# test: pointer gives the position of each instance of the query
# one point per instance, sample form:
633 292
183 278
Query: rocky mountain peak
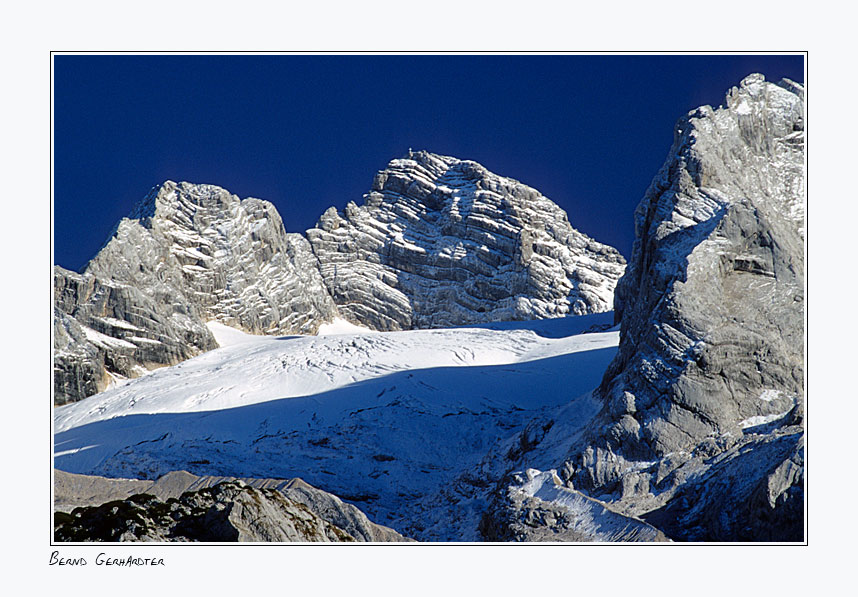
437 242
176 201
701 427
440 241
187 254
712 305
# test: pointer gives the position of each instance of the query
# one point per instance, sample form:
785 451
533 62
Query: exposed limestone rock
106 331
229 511
230 258
188 254
78 491
701 430
438 242
442 242
711 307
752 492
183 507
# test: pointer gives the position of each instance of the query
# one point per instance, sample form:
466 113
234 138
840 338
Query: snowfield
384 420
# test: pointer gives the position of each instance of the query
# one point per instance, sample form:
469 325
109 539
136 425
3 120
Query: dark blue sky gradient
308 132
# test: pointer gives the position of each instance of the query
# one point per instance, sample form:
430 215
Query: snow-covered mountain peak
492 430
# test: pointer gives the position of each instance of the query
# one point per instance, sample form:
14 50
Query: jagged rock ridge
83 495
230 258
188 254
702 430
441 242
228 511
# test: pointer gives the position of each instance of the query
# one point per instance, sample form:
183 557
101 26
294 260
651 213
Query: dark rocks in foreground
183 507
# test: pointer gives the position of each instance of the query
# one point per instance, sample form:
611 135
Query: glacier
384 420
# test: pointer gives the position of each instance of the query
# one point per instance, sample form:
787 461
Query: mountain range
453 357
438 242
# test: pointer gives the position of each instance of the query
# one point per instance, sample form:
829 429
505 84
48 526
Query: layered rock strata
439 242
188 254
105 331
229 258
442 242
701 430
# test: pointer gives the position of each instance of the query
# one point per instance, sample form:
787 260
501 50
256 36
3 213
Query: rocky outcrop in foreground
438 242
538 507
183 507
702 429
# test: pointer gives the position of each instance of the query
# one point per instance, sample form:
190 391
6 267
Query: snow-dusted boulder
538 507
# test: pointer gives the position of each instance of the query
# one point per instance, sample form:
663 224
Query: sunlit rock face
440 242
186 255
230 258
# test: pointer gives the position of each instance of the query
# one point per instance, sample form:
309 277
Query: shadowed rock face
229 511
712 304
752 492
104 329
442 242
701 432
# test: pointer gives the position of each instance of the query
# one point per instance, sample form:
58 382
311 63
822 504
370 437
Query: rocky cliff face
702 423
439 242
106 330
442 242
230 259
188 254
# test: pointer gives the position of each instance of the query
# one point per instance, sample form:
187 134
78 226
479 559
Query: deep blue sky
308 132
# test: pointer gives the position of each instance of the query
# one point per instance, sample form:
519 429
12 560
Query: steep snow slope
385 420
